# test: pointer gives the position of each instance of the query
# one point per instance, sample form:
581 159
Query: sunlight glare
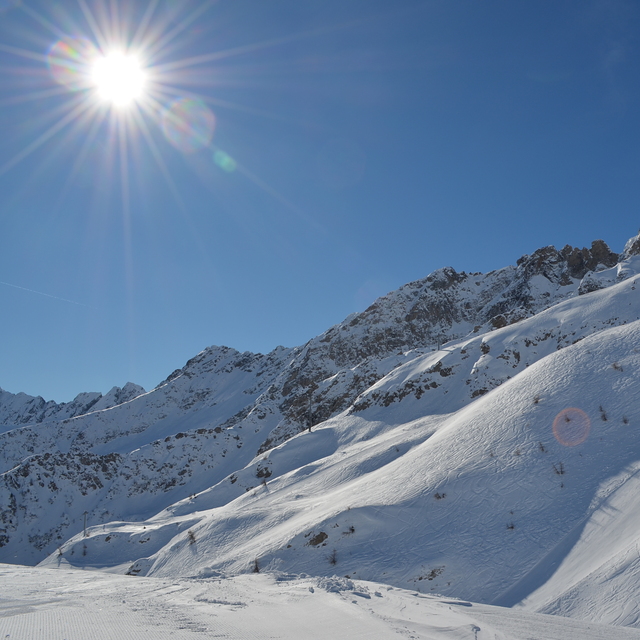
119 79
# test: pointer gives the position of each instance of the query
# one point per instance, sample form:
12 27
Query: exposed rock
580 261
632 248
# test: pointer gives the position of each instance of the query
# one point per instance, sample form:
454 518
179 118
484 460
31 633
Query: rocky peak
580 261
632 248
568 263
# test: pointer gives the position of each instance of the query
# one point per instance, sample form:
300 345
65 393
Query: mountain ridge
215 434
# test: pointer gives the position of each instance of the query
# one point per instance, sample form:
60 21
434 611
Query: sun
119 78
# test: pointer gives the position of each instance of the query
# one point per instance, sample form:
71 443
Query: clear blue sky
367 142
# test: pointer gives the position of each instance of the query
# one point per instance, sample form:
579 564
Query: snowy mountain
473 435
21 409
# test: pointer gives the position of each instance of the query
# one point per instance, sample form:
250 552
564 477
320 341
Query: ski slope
46 604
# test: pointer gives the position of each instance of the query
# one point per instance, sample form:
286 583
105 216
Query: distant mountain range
476 435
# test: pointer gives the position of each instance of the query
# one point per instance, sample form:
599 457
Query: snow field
46 604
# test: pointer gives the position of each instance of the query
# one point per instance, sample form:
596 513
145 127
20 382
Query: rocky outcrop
632 248
581 261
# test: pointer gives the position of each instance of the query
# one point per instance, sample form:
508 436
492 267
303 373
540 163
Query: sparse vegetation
191 537
511 526
617 367
333 557
434 573
536 399
625 420
603 414
439 496
559 468
542 447
256 566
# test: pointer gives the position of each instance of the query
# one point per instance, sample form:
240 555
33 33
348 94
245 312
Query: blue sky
371 142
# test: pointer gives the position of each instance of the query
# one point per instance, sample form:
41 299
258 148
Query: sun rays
109 69
122 80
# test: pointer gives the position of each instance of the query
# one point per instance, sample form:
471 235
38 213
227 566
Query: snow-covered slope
467 504
431 463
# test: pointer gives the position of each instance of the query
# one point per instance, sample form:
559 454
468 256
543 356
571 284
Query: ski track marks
50 604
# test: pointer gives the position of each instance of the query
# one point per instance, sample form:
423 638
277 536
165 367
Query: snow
426 471
47 604
506 506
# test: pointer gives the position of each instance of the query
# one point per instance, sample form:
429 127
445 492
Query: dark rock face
580 261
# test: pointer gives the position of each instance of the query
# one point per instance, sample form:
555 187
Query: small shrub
617 367
333 557
439 496
536 399
256 566
625 420
191 536
559 469
511 526
542 447
434 573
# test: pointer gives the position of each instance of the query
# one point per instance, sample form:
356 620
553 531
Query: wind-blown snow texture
431 463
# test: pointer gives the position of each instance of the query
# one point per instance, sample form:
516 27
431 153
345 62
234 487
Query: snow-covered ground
63 604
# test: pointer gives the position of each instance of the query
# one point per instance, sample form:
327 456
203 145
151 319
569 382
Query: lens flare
70 62
188 124
571 427
225 161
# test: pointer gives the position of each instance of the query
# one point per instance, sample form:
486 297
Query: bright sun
119 79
